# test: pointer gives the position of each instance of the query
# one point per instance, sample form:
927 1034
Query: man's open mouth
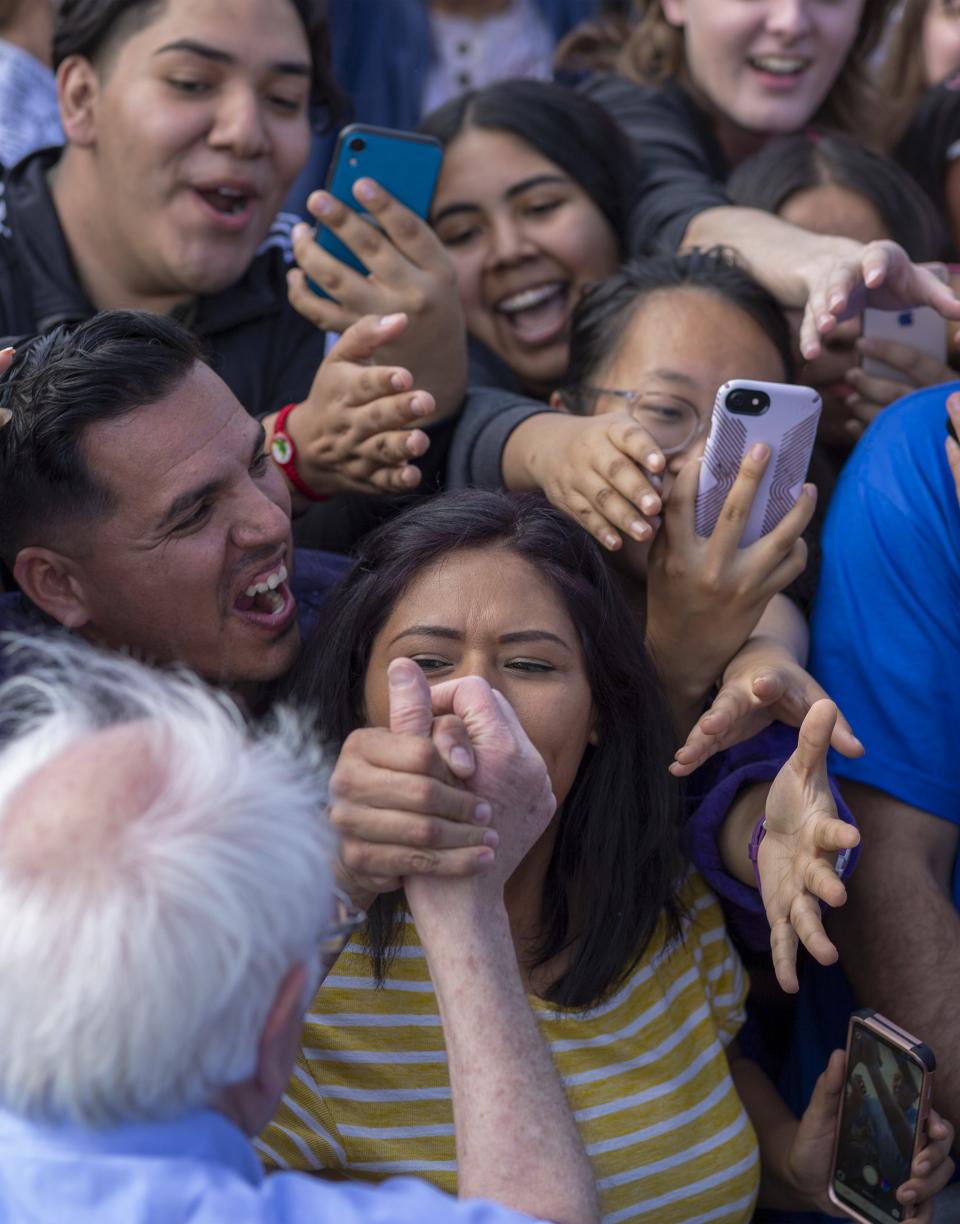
268 602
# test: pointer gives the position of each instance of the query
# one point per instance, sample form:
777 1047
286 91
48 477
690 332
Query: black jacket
265 352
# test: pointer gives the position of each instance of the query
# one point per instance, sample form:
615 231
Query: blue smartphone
405 164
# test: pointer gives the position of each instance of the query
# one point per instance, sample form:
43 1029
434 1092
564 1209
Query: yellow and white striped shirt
645 1073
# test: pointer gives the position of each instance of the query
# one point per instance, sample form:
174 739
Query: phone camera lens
748 402
358 144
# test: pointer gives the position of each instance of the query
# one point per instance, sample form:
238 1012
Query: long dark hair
564 126
810 159
617 859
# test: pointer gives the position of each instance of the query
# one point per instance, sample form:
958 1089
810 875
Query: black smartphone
883 1114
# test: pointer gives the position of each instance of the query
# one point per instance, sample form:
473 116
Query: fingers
452 741
843 739
362 339
736 509
827 1091
364 239
806 921
783 950
412 236
932 1167
711 732
921 369
781 539
411 712
365 860
827 299
814 737
362 793
821 880
832 835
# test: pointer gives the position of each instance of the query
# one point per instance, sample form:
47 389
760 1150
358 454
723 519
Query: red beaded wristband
284 454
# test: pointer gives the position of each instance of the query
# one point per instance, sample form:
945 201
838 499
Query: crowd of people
405 812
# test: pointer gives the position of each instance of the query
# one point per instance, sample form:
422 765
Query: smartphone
404 163
883 1116
783 416
921 328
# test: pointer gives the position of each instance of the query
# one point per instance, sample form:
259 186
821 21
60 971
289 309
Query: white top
471 52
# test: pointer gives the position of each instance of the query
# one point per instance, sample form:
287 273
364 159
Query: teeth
777 65
270 583
529 298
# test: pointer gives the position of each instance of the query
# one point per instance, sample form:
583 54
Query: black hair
59 384
787 166
564 126
604 313
91 28
617 862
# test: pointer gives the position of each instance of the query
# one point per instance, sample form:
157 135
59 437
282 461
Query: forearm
527 445
737 829
779 255
516 1139
783 623
776 1129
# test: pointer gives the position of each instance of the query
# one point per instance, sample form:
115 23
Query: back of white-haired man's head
165 874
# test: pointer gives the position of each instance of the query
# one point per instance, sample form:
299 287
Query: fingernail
907 1196
836 302
825 320
874 276
923 1169
389 320
321 203
461 758
8 349
482 813
650 504
811 491
611 541
365 189
401 677
654 459
491 838
485 857
419 406
759 451
412 446
300 231
410 476
398 382
639 529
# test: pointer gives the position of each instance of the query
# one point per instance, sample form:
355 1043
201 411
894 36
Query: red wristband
283 451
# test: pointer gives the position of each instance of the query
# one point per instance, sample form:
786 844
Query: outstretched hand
353 431
879 274
796 857
763 684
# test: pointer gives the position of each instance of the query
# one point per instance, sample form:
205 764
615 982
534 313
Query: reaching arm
899 935
830 278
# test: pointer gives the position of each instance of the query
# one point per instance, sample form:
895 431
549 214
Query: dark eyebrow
454 635
205 51
517 189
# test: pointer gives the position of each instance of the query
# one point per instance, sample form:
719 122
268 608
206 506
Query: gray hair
134 984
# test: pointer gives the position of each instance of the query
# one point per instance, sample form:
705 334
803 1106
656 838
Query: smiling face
526 241
765 66
201 518
679 347
195 126
487 612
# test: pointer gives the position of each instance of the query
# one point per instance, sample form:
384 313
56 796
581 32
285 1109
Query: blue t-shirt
886 626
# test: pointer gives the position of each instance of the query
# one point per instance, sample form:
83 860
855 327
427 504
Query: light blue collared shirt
28 105
199 1169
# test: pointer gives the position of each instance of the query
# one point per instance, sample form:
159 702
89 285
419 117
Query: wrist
292 449
455 912
520 467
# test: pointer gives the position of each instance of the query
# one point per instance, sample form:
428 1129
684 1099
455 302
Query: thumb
824 1104
814 737
361 340
411 712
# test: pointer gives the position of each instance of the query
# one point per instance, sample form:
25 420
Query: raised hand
796 858
397 798
353 431
879 274
409 272
705 596
762 684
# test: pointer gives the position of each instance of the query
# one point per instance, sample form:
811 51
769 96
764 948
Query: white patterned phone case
746 412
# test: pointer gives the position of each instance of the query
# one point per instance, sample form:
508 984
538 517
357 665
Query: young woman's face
765 66
487 612
526 241
940 40
680 346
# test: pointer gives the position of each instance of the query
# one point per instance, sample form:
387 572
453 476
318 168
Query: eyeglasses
672 426
335 937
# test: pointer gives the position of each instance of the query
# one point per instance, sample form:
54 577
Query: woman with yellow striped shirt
637 988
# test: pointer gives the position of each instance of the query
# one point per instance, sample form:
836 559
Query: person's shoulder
280 236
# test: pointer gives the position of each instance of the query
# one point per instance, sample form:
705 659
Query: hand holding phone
883 1123
782 417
